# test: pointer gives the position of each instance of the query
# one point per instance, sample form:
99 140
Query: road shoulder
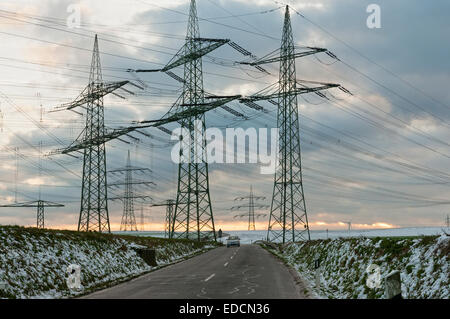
303 287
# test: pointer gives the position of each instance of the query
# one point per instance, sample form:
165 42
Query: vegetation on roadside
33 262
423 262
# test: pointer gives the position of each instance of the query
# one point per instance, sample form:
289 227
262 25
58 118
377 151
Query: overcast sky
379 158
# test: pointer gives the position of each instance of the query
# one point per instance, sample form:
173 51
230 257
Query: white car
233 241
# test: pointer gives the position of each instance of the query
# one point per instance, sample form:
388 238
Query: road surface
242 272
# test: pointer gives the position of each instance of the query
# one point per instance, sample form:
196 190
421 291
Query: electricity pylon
142 217
40 205
193 215
129 196
169 204
193 179
193 210
288 220
251 208
94 214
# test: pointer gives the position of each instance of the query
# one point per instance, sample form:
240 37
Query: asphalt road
242 272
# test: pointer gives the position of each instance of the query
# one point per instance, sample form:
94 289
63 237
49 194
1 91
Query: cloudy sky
378 158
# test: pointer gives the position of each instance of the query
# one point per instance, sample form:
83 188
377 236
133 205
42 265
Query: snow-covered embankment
33 262
422 261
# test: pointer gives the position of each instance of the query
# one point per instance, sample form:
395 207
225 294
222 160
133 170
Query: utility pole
288 220
128 218
169 204
251 208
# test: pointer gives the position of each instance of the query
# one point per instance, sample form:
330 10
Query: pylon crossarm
122 198
215 101
168 118
182 57
247 206
196 109
91 94
131 183
297 91
80 145
227 108
34 204
131 168
278 58
247 197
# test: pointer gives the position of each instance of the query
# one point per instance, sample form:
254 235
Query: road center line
210 277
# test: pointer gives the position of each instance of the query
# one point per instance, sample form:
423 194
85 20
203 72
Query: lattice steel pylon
94 214
288 220
251 208
193 215
40 205
128 218
129 196
169 204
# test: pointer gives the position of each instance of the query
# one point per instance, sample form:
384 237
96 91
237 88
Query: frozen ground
423 263
33 262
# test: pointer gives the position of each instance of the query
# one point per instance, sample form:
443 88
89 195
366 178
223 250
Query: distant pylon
169 204
128 198
128 218
251 208
142 218
94 215
40 205
169 217
193 216
40 214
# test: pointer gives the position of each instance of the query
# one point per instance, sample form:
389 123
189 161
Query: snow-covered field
33 263
248 237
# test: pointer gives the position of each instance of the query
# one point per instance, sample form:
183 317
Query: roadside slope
33 262
423 263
